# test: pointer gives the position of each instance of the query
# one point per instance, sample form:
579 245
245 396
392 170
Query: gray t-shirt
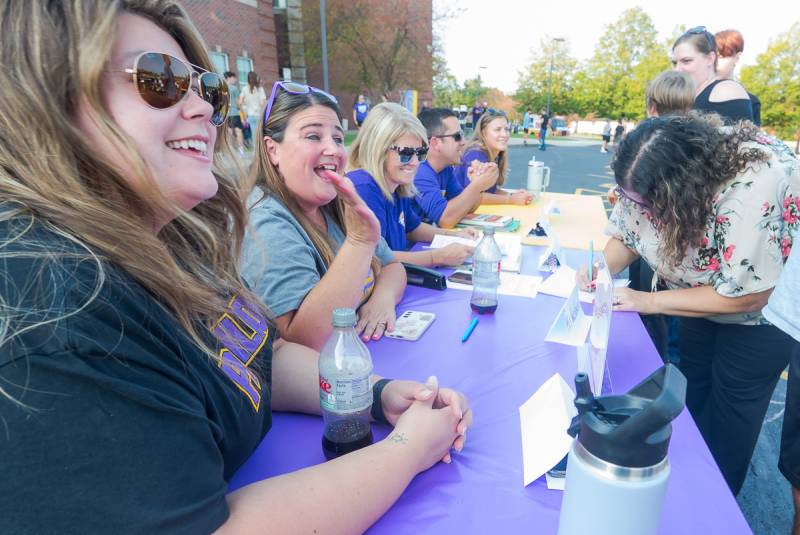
279 260
233 107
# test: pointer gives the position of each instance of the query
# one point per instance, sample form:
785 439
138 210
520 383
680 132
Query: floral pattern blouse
748 236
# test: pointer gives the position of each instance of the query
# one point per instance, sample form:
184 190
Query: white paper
571 325
561 282
553 256
544 420
510 248
592 362
555 483
510 284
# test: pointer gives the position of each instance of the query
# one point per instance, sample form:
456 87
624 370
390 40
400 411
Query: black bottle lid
633 429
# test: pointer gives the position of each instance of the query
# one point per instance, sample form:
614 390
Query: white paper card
561 282
553 256
555 483
510 284
571 325
544 420
592 362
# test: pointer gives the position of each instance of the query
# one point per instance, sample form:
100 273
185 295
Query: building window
243 67
220 61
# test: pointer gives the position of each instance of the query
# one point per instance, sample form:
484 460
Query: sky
495 38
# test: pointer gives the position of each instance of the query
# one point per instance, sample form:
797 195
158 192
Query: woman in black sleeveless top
695 53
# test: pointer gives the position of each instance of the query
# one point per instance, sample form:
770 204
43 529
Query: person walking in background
252 100
730 45
619 132
477 111
528 121
606 136
235 127
713 210
360 110
382 163
543 130
695 53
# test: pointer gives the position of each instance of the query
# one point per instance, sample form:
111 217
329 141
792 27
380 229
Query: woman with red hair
730 45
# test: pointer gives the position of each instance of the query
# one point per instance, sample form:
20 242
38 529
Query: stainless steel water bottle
617 469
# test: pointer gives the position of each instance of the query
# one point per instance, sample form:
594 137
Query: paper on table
510 284
570 325
561 282
544 419
555 483
510 248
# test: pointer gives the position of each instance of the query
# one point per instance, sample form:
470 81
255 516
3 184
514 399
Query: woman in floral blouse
712 210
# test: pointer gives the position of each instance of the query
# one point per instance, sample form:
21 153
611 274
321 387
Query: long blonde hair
478 142
267 177
385 123
56 56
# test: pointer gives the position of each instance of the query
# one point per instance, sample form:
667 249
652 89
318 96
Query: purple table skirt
498 368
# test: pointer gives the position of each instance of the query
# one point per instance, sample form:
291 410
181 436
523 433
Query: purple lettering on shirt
242 333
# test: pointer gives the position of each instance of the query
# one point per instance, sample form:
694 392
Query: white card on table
544 420
571 324
553 257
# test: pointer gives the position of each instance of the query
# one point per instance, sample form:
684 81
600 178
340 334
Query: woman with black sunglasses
712 210
490 144
382 164
695 53
137 371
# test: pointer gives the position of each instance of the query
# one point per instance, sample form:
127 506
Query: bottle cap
488 231
344 317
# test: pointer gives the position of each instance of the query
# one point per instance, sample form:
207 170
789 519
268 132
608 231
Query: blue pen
469 330
591 259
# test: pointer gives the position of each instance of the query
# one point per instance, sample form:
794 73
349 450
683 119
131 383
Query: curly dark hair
677 165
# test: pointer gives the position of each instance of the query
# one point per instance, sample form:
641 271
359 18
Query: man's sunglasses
163 80
406 153
294 88
457 137
701 30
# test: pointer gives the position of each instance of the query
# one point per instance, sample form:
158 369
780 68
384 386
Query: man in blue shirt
360 110
440 197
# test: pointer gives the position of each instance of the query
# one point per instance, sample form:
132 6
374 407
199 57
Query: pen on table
591 259
469 330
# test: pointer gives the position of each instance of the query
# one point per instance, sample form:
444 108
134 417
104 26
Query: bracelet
377 406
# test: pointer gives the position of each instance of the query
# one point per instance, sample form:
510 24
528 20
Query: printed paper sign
571 324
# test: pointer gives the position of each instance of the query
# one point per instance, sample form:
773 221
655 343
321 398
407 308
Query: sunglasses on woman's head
632 197
701 30
406 153
294 88
163 80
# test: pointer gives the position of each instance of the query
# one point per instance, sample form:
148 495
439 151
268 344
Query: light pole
324 36
481 68
550 76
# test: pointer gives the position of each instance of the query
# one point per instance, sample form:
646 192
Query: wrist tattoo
399 438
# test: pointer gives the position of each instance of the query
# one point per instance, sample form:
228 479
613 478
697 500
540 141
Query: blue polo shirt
460 171
433 191
396 216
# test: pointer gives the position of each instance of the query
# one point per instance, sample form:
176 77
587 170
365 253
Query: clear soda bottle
485 274
345 396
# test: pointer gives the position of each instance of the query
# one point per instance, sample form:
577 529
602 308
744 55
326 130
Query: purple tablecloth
499 367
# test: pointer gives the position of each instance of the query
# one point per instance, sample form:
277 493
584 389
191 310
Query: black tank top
731 111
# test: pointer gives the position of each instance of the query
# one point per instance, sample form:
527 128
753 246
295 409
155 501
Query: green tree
775 79
626 57
534 81
373 53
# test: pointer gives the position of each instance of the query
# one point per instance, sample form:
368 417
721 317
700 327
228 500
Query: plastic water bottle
485 274
345 396
617 469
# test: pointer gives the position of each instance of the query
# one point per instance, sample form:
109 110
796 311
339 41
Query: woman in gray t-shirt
313 244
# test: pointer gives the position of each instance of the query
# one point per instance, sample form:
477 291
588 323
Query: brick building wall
239 28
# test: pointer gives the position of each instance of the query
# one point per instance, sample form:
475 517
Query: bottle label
345 395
